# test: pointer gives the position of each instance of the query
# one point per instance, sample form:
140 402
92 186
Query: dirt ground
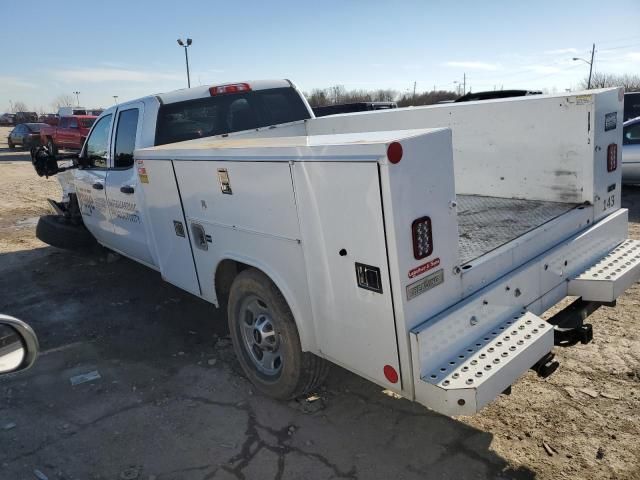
172 403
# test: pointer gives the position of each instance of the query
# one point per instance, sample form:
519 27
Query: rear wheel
11 144
266 340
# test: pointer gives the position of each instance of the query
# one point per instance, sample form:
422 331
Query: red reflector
612 157
422 238
390 374
394 152
231 88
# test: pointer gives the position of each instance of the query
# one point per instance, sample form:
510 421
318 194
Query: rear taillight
422 238
612 157
231 88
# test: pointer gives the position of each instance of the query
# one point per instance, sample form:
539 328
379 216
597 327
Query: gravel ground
171 402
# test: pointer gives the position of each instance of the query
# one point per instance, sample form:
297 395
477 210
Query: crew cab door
90 181
124 196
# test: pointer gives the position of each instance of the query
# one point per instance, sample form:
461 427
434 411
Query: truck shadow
164 354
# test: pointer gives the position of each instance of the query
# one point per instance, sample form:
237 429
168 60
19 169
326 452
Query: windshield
206 117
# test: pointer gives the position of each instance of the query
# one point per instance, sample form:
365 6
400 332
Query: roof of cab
203 90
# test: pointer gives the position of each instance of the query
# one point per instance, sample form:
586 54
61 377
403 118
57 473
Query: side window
631 135
98 142
73 123
126 138
64 122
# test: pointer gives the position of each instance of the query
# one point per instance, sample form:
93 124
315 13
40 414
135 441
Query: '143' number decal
609 202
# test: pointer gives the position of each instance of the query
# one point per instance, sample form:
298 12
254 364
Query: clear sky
128 48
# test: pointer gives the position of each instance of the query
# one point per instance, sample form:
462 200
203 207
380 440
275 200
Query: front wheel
266 340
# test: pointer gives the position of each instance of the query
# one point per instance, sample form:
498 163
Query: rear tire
58 231
11 144
266 340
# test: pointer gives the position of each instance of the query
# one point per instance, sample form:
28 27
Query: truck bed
485 223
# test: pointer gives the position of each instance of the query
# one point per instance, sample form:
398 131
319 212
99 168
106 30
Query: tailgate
471 352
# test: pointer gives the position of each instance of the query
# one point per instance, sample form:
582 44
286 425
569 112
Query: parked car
70 132
631 151
25 117
325 110
27 135
493 94
7 119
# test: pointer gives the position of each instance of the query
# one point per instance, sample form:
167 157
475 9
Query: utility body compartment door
169 234
343 238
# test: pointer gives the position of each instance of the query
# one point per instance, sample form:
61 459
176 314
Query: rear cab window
220 114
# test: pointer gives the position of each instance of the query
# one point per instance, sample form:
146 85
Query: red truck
70 132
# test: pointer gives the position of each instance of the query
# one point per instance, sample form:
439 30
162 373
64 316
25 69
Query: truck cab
106 185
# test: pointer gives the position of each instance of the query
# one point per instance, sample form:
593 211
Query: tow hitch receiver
568 324
546 365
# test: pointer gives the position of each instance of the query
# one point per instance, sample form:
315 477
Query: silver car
631 151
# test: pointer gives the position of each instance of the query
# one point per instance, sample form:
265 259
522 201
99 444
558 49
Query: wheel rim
260 340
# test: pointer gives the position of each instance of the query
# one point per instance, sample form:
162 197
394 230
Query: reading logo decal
427 283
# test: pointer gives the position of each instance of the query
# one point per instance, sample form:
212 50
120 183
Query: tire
256 304
58 231
11 144
52 147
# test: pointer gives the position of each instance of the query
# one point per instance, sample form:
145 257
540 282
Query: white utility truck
415 247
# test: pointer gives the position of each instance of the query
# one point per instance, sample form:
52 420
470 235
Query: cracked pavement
164 409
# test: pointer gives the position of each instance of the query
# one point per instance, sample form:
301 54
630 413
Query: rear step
610 276
486 367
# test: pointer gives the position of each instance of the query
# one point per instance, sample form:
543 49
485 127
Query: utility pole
115 99
77 97
414 91
593 51
464 84
590 63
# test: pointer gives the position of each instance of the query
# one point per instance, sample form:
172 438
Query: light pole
462 84
115 99
186 57
77 97
590 63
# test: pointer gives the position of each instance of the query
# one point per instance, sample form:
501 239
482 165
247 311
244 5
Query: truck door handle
128 189
98 186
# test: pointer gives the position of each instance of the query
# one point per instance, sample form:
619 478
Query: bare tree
63 100
630 82
20 106
426 98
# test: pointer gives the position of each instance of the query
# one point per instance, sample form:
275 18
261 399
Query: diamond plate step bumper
480 371
610 276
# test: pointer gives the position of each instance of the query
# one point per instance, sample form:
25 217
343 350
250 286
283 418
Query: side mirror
18 345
